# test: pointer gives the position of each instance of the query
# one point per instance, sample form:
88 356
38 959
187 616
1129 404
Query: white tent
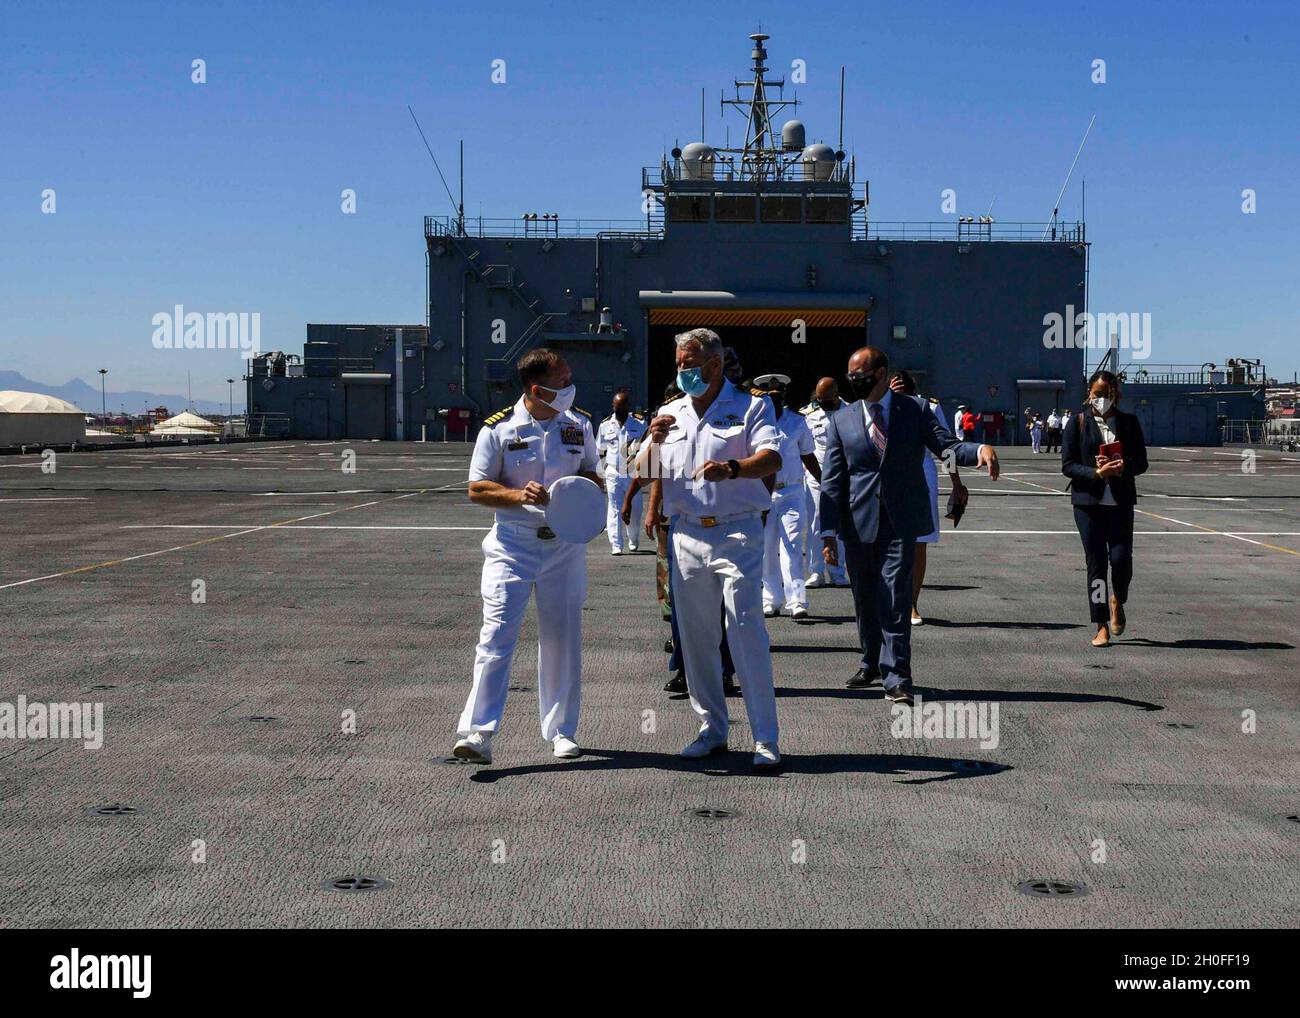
184 424
31 418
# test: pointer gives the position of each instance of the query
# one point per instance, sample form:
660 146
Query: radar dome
698 161
792 137
818 162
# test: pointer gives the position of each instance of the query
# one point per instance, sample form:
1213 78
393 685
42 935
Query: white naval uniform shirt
796 441
737 424
613 441
818 421
512 449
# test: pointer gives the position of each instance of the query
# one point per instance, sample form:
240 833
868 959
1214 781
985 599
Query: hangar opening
765 341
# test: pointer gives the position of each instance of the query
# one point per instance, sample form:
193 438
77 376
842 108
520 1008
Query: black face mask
862 385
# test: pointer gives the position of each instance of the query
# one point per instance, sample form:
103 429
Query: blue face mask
691 382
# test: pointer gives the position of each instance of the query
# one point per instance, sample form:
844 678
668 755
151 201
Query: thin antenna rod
1057 207
840 146
450 196
460 209
702 115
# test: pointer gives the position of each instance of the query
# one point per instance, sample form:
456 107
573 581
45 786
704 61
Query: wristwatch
734 467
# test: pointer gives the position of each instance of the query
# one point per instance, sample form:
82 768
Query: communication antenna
1057 207
460 208
839 147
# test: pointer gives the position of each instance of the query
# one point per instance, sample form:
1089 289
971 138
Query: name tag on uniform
516 446
571 436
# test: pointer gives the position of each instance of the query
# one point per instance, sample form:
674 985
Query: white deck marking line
1235 536
1208 530
67 498
206 540
290 526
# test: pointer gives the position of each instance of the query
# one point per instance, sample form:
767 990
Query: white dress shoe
565 748
766 755
799 613
815 580
704 745
475 747
770 611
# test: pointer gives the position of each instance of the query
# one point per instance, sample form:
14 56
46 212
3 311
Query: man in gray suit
874 497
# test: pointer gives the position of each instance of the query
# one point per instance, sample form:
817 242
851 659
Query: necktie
878 433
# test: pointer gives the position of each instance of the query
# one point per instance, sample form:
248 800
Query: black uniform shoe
902 693
668 645
862 679
677 684
729 686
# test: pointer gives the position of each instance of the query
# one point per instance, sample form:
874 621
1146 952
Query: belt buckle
708 521
546 533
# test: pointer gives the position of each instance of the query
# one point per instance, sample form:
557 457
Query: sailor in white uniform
715 446
519 453
826 400
618 432
785 565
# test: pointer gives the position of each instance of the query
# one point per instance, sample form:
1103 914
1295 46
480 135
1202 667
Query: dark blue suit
879 507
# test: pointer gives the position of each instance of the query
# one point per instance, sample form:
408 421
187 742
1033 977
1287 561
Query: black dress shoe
729 686
668 645
677 684
902 693
862 679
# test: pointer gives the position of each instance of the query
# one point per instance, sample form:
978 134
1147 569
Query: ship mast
761 158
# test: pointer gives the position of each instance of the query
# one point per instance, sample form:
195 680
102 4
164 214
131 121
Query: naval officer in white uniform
715 446
784 563
519 453
619 432
826 400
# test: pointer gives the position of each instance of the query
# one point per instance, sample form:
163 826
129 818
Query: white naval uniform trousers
818 421
724 563
784 563
519 559
612 442
721 563
516 562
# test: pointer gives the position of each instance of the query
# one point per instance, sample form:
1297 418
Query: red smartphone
1112 451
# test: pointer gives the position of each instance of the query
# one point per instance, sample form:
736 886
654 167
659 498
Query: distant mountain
135 400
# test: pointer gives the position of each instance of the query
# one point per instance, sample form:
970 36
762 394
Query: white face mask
563 398
1101 404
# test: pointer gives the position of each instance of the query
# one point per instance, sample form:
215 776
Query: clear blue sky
225 196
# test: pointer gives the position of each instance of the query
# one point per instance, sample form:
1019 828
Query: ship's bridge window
782 208
688 208
734 208
828 208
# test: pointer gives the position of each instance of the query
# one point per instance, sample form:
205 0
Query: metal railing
974 232
268 426
1191 374
529 229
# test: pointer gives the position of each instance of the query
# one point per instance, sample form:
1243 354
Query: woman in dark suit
1104 494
